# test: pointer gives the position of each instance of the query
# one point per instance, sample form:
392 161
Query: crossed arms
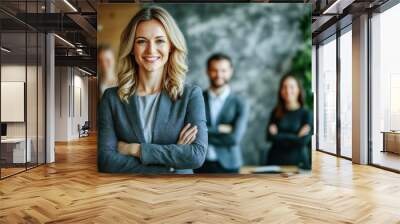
121 157
228 136
301 138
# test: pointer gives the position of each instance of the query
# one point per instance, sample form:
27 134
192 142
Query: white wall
80 83
12 73
69 82
62 81
17 73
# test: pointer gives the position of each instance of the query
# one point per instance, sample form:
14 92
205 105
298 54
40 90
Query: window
385 88
346 93
327 96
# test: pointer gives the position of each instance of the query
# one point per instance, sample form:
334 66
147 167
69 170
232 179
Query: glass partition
22 88
14 154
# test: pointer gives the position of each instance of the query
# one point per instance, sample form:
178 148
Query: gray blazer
118 121
227 146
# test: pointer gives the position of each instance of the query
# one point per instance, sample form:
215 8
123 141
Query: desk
391 141
282 169
13 150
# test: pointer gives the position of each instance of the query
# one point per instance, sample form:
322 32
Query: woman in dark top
289 127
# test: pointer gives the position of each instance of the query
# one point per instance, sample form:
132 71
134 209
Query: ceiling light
338 6
70 5
5 50
64 40
84 71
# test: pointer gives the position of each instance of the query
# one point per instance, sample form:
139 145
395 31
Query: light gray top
215 103
147 108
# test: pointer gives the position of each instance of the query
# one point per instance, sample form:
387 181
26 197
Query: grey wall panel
261 39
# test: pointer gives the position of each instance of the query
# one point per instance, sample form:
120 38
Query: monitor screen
3 129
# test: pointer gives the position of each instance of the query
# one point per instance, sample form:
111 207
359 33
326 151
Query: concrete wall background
261 39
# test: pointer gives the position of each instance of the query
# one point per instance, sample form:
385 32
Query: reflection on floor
8 170
386 159
346 152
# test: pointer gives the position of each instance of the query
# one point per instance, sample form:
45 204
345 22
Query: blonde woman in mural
152 122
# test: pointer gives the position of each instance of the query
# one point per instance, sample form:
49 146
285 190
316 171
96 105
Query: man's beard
217 85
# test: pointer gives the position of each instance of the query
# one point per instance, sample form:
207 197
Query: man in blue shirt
226 119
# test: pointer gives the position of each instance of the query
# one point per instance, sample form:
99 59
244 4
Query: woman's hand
187 135
304 130
132 149
273 129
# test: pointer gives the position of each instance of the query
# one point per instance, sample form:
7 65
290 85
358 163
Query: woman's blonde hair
176 67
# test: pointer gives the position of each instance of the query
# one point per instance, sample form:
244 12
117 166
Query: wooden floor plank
72 191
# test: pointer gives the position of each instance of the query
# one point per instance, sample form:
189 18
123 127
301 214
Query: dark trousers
296 156
214 167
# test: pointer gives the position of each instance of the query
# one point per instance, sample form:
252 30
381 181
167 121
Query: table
391 141
13 150
271 169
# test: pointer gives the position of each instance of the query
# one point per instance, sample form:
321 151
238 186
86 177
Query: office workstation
16 148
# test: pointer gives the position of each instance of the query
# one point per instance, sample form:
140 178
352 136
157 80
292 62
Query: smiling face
152 46
290 90
220 72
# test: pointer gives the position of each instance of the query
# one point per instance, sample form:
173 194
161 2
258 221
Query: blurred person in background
227 116
106 65
290 126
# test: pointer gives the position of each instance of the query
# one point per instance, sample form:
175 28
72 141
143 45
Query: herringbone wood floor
71 191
